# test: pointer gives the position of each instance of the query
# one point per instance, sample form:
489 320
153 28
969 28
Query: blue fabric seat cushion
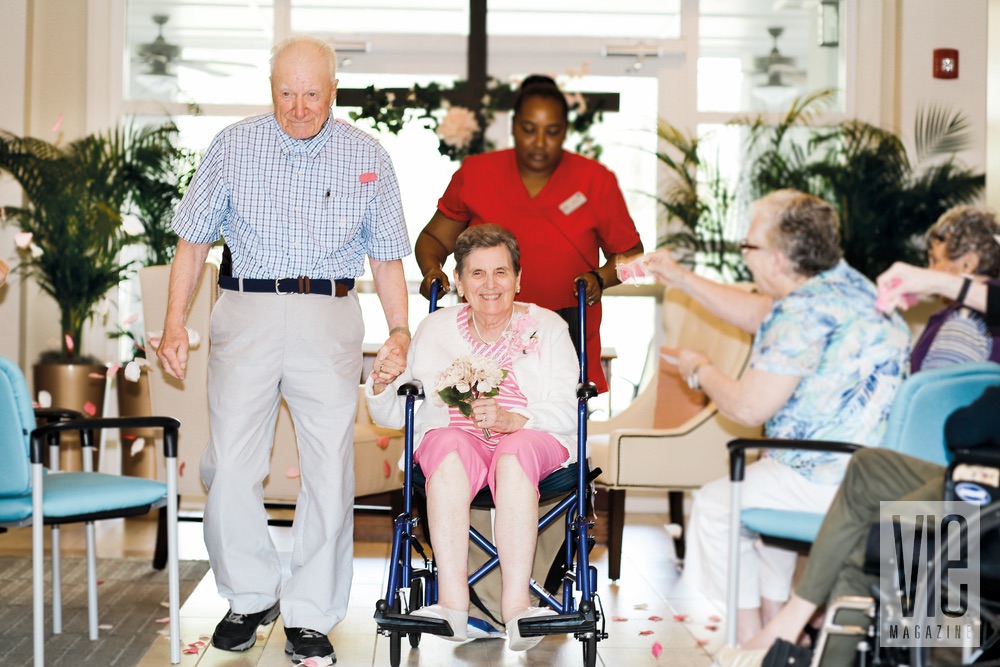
79 493
801 526
15 509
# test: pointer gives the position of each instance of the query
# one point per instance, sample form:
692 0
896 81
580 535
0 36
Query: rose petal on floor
656 618
680 618
715 618
137 446
712 628
641 605
657 649
89 408
165 619
619 619
643 633
105 626
382 441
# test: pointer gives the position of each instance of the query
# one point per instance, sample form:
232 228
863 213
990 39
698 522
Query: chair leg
54 535
160 551
616 529
91 580
676 499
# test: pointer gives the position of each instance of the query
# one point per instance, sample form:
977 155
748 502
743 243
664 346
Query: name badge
574 202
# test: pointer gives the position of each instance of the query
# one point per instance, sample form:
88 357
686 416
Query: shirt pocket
339 221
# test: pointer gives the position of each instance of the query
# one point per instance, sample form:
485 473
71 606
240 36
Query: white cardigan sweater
548 377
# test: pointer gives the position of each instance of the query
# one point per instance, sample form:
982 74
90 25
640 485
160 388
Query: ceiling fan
774 64
160 56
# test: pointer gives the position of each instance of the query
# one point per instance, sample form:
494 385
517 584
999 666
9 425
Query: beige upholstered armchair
670 437
376 450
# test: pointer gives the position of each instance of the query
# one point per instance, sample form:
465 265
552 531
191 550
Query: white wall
925 25
13 52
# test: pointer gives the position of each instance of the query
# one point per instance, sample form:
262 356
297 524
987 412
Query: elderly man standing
300 199
825 366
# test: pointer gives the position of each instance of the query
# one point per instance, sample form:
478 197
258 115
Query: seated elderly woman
825 365
962 243
506 439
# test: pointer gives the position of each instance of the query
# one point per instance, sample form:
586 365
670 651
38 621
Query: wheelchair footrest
560 624
390 621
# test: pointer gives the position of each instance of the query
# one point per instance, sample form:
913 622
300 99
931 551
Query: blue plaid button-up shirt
290 207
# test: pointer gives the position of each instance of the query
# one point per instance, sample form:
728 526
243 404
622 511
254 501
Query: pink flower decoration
386 469
382 442
96 376
458 127
131 318
90 408
69 343
657 650
23 239
180 469
524 335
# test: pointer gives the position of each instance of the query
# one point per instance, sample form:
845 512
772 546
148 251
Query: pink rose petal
701 641
190 651
165 619
180 469
199 644
58 123
100 581
97 376
70 345
619 619
131 318
657 649
386 469
90 409
680 618
715 618
105 626
656 618
643 633
382 441
292 473
712 628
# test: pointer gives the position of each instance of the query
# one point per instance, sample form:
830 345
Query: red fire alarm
945 63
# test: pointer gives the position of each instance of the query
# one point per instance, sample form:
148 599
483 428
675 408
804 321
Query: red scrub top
560 231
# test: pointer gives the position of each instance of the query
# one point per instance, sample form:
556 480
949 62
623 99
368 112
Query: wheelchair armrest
86 426
982 456
738 447
413 388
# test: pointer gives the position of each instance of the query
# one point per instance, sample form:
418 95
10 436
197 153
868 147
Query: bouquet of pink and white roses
469 377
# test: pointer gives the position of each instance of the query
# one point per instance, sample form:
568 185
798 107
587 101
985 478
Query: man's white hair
324 47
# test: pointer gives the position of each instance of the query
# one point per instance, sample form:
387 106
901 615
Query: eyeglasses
746 246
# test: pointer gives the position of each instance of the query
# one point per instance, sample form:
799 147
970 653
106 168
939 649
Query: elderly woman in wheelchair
501 411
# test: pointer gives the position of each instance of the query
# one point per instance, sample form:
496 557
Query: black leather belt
300 285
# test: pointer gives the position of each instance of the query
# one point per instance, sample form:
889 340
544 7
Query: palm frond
939 131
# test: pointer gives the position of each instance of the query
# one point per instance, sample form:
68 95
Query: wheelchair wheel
395 639
590 651
416 602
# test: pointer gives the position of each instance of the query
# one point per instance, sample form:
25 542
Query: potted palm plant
72 235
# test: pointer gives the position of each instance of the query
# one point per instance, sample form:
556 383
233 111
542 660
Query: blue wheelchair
411 587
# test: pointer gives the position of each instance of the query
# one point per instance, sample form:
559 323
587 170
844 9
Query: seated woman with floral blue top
500 379
963 242
825 366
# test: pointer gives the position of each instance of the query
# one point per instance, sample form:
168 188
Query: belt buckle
277 289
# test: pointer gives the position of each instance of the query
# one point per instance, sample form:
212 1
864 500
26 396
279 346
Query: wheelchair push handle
581 301
435 294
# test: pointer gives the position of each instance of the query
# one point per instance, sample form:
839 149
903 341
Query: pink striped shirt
510 395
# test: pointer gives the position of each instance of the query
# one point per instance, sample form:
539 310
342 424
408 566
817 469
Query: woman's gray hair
805 229
324 47
486 236
964 229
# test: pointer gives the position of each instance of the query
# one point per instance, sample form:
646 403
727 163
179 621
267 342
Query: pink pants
538 453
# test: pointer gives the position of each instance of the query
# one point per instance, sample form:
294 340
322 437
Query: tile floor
649 590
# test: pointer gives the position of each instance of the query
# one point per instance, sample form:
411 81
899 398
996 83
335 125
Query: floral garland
462 131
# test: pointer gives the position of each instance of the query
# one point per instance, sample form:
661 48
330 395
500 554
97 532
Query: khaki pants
550 542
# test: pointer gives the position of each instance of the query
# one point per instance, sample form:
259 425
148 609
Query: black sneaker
304 643
238 632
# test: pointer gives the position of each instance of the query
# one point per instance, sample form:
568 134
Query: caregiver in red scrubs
562 207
